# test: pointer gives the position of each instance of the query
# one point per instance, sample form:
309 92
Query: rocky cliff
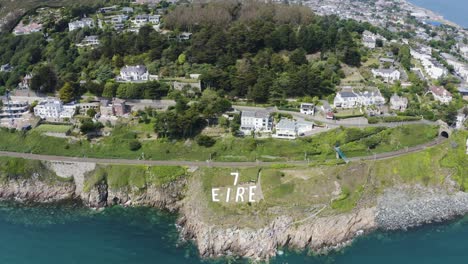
397 208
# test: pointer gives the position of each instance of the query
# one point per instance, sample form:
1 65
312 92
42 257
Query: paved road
207 164
356 122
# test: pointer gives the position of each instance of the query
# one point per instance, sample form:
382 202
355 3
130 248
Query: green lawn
53 128
134 176
354 142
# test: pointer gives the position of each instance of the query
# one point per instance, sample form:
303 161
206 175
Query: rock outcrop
36 190
317 234
405 207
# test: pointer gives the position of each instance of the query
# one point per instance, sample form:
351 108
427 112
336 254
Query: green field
354 142
53 128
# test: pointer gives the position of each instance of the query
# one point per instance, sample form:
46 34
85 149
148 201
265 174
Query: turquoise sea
73 234
453 10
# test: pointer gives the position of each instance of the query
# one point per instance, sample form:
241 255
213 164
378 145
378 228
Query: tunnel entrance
444 134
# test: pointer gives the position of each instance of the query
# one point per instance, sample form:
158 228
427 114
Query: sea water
452 10
70 233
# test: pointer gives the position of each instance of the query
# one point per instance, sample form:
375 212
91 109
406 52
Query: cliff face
165 197
395 209
318 234
36 190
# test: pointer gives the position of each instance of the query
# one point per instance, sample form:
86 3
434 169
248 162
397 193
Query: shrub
134 145
205 141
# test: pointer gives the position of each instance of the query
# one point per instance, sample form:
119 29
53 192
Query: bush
134 145
205 141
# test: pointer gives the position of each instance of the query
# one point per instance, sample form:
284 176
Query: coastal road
380 156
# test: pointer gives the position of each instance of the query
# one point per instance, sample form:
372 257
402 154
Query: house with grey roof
256 121
138 73
345 99
388 75
291 129
398 103
85 22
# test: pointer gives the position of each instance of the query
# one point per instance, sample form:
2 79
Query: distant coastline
451 11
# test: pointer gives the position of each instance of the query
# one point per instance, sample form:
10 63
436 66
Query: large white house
346 100
388 75
54 109
290 129
138 73
398 103
85 22
256 121
441 94
351 99
369 39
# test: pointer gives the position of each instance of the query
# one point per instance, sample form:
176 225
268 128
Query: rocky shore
403 208
396 208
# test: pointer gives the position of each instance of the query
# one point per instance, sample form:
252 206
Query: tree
66 93
134 145
298 57
110 88
91 112
205 141
44 79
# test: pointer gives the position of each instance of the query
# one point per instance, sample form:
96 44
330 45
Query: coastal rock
35 190
406 207
318 234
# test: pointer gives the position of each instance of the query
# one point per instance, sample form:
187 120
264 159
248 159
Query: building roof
256 114
307 106
347 94
139 69
396 98
440 91
385 71
286 124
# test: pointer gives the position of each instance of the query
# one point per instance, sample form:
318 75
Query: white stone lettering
240 194
228 195
252 193
215 194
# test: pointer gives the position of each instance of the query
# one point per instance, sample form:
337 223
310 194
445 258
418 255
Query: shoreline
434 15
398 208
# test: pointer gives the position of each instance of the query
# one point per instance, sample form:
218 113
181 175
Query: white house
85 22
368 98
138 73
388 75
286 128
291 129
307 109
345 100
25 82
369 39
89 41
441 94
14 109
398 103
6 68
54 109
255 121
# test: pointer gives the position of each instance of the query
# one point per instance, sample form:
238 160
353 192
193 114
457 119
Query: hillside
11 10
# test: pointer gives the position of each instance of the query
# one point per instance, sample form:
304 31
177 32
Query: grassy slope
301 191
354 142
135 177
12 5
19 169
